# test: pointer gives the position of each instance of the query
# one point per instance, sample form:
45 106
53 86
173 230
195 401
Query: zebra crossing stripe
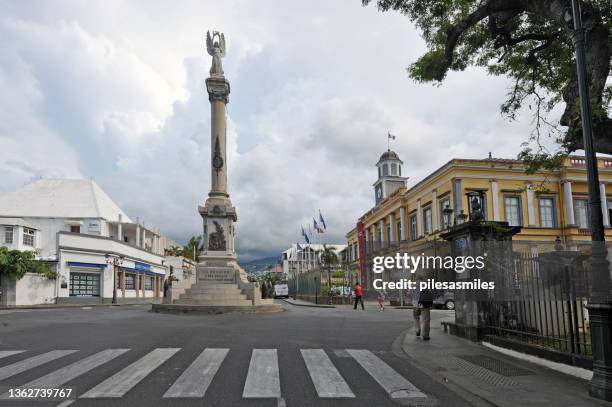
263 379
29 363
6 353
197 377
121 382
392 382
327 380
72 371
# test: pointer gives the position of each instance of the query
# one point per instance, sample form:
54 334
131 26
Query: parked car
446 300
281 291
344 291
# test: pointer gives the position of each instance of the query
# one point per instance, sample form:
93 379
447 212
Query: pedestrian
358 295
381 300
422 301
168 283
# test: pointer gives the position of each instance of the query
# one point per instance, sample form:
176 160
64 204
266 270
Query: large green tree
16 263
528 41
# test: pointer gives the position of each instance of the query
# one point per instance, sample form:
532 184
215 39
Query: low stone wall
99 300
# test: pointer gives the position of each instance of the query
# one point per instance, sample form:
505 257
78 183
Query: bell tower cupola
389 176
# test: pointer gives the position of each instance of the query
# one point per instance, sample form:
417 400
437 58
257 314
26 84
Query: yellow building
545 204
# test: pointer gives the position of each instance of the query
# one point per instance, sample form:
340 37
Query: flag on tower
322 221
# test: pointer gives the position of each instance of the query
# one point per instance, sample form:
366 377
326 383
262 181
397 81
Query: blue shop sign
141 266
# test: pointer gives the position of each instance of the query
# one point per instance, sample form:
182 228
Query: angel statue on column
215 48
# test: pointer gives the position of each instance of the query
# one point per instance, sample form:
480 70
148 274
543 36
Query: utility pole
599 304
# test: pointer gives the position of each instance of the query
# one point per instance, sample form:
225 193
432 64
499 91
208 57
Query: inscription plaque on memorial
210 274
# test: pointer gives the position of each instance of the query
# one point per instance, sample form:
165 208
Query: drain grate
496 365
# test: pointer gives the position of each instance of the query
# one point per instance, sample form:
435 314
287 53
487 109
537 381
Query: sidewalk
496 379
302 303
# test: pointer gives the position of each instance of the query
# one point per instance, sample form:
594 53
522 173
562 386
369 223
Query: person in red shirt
358 294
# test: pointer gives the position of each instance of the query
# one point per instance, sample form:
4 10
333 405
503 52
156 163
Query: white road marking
29 363
72 371
197 377
326 379
66 403
123 381
392 382
6 353
263 379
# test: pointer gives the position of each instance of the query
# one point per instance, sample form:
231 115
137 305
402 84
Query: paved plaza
304 356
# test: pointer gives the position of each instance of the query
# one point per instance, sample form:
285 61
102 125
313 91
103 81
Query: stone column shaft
434 210
604 204
569 202
495 200
419 219
120 229
530 205
218 91
402 223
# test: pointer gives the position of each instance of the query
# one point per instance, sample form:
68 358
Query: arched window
400 170
385 170
393 169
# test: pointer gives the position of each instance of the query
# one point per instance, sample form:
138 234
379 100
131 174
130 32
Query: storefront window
129 281
148 283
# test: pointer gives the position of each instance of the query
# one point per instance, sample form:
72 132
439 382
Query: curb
309 305
465 393
59 306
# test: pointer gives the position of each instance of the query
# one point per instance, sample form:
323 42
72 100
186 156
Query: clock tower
389 176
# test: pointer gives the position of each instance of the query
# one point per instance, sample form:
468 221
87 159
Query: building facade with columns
91 243
547 204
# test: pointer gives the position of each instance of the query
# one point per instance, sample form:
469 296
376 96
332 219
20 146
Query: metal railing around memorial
540 300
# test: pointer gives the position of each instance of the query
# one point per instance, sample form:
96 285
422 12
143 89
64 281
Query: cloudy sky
115 91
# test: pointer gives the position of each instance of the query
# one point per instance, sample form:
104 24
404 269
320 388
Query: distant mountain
258 266
264 260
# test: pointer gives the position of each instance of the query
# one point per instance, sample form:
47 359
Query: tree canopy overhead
528 41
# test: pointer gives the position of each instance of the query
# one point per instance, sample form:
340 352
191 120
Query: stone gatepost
493 241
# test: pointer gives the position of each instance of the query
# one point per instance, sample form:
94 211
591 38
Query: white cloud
115 91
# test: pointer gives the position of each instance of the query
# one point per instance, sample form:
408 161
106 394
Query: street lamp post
599 305
115 262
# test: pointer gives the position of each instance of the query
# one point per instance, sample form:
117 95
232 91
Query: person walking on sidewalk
422 301
358 295
381 299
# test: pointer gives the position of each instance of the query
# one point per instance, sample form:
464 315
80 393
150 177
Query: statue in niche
216 240
476 213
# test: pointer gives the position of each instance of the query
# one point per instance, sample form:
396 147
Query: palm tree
176 250
328 258
193 247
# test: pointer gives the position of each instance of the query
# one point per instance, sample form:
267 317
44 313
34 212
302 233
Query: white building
75 226
303 257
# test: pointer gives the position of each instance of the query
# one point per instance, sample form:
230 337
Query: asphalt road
256 356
